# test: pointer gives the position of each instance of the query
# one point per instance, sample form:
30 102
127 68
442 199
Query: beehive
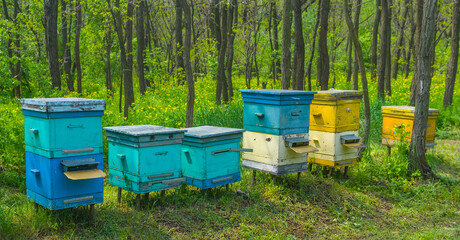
399 120
335 111
63 141
277 112
144 158
211 156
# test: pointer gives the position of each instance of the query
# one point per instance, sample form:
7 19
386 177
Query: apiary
63 140
277 126
144 158
399 120
211 156
334 125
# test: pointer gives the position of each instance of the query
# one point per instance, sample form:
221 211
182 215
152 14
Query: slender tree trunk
140 45
422 99
355 58
418 22
375 35
179 48
286 45
410 50
400 41
77 45
323 58
232 20
299 48
276 44
17 89
52 42
453 62
383 51
359 55
222 53
188 64
129 92
65 48
215 18
313 46
388 50
108 50
350 58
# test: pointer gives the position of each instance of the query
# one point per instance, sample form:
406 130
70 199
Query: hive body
63 141
277 124
211 156
399 120
144 158
334 125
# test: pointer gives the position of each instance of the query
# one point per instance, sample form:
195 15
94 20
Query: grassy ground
379 200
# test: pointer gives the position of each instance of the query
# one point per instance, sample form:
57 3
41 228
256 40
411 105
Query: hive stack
63 138
399 120
144 158
210 156
277 125
334 127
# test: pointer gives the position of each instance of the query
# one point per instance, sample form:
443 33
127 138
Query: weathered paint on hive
330 147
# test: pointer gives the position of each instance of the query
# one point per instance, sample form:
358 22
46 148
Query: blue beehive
210 156
144 158
63 138
277 112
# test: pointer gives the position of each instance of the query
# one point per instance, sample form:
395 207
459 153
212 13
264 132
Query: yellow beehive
276 150
334 149
399 120
335 111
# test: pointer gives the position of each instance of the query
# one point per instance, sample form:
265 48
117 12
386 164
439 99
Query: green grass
379 200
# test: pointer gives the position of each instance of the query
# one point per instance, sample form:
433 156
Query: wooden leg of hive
310 167
162 193
389 150
119 195
274 179
36 206
254 177
345 172
91 213
331 171
298 177
226 186
138 202
146 197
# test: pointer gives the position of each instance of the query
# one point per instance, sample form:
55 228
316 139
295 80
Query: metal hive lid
210 131
143 130
277 96
336 94
51 105
406 110
276 91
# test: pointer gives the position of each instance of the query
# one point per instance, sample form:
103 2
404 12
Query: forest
180 63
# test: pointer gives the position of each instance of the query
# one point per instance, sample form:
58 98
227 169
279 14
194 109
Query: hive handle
35 171
161 153
33 131
121 156
261 115
296 113
317 114
232 150
74 126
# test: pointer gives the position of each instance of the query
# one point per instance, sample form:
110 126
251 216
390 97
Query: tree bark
286 46
299 48
188 64
410 50
140 45
375 35
313 46
179 44
359 55
388 49
215 19
52 42
453 62
108 50
383 50
65 48
422 99
355 58
77 45
129 92
18 88
323 58
222 53
399 41
418 24
232 20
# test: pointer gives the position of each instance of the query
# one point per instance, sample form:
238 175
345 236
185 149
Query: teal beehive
144 158
210 156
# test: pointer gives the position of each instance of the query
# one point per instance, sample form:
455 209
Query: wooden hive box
275 111
210 156
63 127
144 158
335 111
401 119
276 154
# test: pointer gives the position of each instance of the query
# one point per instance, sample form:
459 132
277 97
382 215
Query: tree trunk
188 64
215 18
222 53
77 45
355 58
359 55
276 45
418 22
299 48
108 49
129 92
179 48
383 50
65 48
323 58
410 50
453 62
313 46
232 20
286 46
375 35
422 99
17 89
140 45
388 49
399 42
52 42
